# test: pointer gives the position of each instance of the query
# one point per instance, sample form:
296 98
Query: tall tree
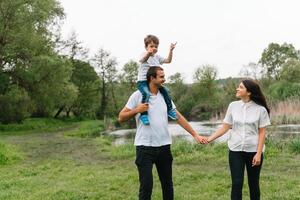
275 55
105 66
88 83
290 71
252 70
129 74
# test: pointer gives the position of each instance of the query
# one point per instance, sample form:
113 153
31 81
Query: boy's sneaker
144 119
172 114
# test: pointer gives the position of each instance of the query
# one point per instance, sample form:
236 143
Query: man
153 141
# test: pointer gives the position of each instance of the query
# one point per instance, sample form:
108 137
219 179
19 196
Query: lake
207 128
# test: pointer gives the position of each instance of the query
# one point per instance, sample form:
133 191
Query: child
150 58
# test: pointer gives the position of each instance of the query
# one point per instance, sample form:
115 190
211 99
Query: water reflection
207 128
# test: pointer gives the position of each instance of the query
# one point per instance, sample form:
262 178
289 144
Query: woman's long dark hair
256 94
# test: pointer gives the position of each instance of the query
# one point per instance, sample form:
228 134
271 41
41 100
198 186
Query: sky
225 33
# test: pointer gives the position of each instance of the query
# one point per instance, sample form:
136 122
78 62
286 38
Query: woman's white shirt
246 119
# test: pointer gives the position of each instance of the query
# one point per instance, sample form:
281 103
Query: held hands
200 139
172 46
203 139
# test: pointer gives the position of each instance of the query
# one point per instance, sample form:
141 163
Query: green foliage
291 71
129 74
15 105
24 29
88 84
105 66
283 89
275 55
49 78
295 145
205 92
8 154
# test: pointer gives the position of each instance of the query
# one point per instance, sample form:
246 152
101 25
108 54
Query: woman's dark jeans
237 162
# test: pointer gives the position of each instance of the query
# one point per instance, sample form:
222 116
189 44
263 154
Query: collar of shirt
247 104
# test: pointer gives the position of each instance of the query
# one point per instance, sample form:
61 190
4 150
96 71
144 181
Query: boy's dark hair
151 38
152 72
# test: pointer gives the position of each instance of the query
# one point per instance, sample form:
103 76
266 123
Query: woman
247 120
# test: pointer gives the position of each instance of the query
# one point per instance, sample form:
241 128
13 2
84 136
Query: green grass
36 125
58 166
8 154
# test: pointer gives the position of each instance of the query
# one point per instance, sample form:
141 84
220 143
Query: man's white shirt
156 134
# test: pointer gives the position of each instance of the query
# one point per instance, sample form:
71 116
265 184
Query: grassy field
69 160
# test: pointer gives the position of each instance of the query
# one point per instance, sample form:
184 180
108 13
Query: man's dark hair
152 72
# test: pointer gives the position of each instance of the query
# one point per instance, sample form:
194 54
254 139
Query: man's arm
127 113
184 124
170 56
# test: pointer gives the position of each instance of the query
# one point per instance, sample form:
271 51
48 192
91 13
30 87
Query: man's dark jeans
237 162
162 158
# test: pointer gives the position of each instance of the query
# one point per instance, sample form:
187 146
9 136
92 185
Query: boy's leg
253 177
164 91
143 88
171 112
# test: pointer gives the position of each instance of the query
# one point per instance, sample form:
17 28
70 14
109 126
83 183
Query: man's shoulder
136 94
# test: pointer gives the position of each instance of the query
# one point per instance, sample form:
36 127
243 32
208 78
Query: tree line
43 75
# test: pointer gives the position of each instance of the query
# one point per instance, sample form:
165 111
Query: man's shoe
172 114
144 119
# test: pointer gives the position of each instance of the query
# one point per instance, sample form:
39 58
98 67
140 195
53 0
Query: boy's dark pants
162 158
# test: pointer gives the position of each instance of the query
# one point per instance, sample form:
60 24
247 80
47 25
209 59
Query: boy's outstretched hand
172 46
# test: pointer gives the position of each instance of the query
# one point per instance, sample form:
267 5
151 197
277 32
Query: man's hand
142 107
200 139
172 46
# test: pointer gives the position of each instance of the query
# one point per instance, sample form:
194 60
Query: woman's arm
261 141
184 124
221 131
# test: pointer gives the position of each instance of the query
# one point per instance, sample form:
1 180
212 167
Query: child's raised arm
170 56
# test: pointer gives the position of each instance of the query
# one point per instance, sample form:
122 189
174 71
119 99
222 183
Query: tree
177 87
290 71
48 81
24 30
205 91
252 70
105 66
275 55
205 76
130 73
15 105
88 84
73 48
27 41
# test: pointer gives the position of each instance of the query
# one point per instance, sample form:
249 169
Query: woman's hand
256 161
